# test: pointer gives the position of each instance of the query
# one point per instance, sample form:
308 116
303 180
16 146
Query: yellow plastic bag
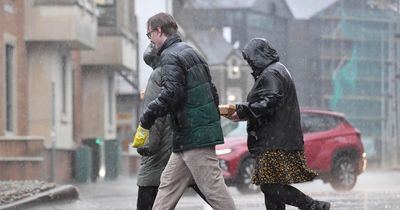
140 137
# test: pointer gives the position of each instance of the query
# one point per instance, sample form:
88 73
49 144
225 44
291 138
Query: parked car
332 147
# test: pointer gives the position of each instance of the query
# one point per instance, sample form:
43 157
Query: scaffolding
359 57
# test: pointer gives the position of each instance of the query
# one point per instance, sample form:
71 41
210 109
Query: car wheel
244 184
343 177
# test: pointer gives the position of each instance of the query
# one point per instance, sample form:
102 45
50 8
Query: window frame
9 89
64 85
232 63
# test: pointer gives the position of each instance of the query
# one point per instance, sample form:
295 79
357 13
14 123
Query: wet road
373 191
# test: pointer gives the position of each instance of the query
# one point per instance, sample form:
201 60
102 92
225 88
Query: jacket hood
150 56
259 54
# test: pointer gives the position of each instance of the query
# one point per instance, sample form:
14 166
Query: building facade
15 140
58 61
115 55
358 57
242 20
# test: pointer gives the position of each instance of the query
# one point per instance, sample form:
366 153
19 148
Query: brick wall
21 158
77 96
12 30
63 166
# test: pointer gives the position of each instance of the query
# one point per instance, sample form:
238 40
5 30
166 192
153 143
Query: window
317 123
259 21
9 87
233 70
240 129
107 12
104 2
64 79
233 17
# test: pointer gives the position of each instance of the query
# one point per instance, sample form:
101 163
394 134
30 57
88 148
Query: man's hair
165 21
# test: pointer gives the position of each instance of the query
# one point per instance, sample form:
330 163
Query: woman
275 137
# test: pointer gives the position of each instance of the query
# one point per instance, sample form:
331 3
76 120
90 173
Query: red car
332 147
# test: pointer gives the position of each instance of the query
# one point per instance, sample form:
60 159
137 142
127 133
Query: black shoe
320 205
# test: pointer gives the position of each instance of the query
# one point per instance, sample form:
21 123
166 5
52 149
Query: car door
318 129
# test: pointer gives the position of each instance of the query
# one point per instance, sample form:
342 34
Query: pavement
16 193
120 194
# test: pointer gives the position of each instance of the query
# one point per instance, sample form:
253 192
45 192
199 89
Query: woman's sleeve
268 95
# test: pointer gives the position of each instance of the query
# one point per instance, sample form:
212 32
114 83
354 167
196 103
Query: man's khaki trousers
198 166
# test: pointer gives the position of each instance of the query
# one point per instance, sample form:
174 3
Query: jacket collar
170 41
258 71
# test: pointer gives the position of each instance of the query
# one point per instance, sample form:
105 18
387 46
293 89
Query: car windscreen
235 129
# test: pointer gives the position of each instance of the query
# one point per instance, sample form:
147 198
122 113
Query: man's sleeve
215 94
213 88
172 91
157 132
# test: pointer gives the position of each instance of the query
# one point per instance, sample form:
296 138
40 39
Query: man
157 149
192 100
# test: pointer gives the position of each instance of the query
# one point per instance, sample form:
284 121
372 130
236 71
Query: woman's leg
271 202
286 194
146 197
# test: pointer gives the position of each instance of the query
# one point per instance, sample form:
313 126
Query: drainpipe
168 7
53 133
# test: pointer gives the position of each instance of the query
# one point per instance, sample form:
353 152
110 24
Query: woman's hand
234 117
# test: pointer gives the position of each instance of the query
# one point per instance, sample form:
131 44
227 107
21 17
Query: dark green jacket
189 95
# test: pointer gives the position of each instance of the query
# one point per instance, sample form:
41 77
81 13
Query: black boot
320 205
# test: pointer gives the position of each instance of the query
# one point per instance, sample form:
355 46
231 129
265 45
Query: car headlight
223 151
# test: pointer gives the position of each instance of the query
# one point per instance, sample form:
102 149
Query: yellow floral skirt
283 167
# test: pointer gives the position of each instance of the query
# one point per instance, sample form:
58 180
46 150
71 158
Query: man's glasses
149 33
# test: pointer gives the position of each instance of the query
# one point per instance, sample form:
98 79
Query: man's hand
140 137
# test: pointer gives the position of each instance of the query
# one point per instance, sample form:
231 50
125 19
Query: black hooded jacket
272 109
